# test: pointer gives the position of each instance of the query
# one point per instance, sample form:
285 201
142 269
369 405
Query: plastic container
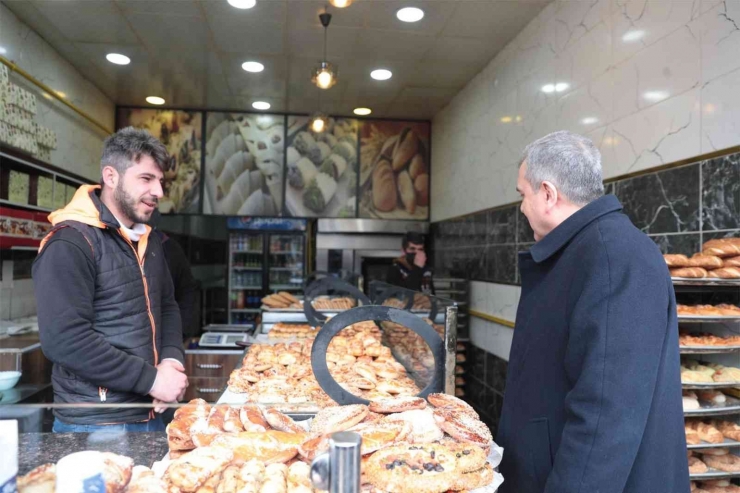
10 368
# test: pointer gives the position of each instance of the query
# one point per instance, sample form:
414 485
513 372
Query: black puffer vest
127 315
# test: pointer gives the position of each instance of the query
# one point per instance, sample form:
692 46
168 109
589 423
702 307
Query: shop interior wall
79 142
652 82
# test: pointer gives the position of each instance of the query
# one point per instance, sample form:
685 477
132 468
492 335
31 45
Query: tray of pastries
716 433
704 343
717 263
698 375
282 330
285 302
708 313
713 463
714 486
410 349
709 403
281 373
409 444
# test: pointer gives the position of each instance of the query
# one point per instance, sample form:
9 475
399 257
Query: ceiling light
589 120
410 14
518 118
548 88
3 51
61 94
381 74
155 100
243 4
506 119
340 4
261 105
318 122
118 59
561 86
253 67
362 111
324 75
632 36
655 95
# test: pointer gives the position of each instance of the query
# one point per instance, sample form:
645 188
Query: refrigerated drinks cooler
265 256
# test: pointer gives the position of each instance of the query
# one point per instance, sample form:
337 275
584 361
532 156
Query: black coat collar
560 236
106 216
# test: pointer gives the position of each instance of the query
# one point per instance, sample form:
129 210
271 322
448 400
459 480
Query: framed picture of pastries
244 164
394 169
180 132
321 168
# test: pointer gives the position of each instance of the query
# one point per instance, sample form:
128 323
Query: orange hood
81 209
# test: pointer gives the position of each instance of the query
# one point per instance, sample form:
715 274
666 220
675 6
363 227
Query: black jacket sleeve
412 281
64 281
171 322
186 287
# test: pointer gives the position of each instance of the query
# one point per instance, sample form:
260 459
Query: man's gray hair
569 161
126 147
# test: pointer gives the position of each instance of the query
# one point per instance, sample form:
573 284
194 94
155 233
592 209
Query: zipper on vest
140 262
103 393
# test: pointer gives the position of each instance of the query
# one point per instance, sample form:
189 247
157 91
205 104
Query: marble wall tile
663 70
589 106
476 364
491 337
588 54
720 108
496 372
498 300
502 226
687 244
710 235
525 233
474 390
661 134
664 202
720 39
500 265
721 193
490 406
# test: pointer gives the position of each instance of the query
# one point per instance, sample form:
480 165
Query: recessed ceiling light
243 4
3 51
410 14
381 74
118 59
633 35
589 120
155 100
340 4
561 86
261 105
655 95
362 111
506 119
548 88
253 67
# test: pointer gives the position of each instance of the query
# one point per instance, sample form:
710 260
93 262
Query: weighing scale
225 336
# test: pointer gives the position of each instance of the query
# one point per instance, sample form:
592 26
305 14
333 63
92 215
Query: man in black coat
593 393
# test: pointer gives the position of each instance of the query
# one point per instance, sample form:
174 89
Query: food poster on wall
45 192
394 169
18 187
244 164
180 132
321 168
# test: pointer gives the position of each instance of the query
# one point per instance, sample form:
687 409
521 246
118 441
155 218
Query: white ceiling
190 51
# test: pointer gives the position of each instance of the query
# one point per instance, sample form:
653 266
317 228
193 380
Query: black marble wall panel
720 192
502 226
500 264
688 243
525 234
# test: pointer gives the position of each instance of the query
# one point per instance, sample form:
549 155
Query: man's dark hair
126 147
412 237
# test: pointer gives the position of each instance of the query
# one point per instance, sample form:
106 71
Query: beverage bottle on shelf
240 300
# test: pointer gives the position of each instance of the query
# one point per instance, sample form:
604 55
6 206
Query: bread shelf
726 444
709 386
732 406
699 319
714 474
708 349
685 281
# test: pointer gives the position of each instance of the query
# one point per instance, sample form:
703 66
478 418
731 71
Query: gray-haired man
593 392
108 319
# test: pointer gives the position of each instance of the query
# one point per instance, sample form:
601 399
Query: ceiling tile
244 103
170 7
442 74
304 13
392 45
463 50
309 42
168 34
92 22
95 53
259 87
35 20
481 19
237 33
382 15
433 96
420 112
272 10
275 65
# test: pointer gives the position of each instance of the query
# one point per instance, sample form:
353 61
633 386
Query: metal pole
339 469
450 349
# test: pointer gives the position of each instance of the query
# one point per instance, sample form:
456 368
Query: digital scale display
221 339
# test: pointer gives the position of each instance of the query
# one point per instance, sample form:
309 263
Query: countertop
25 342
41 448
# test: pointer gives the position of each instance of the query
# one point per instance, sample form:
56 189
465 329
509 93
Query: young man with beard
410 270
108 319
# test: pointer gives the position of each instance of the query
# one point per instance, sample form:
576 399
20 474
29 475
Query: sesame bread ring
424 428
464 427
397 405
449 401
282 422
476 479
252 418
376 436
339 418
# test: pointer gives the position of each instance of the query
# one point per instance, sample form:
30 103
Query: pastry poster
321 169
244 164
394 170
180 132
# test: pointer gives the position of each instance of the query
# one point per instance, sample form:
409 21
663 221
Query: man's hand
420 259
170 383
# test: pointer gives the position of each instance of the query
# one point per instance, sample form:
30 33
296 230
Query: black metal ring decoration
322 286
381 314
398 292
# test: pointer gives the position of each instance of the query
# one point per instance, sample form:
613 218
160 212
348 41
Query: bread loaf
421 185
417 166
384 187
689 272
407 191
676 260
406 148
725 273
705 261
723 247
731 262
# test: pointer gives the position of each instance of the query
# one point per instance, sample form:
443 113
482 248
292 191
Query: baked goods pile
714 431
719 259
421 302
119 473
281 330
713 460
326 303
282 373
408 445
282 299
691 399
686 339
694 372
410 348
721 310
714 486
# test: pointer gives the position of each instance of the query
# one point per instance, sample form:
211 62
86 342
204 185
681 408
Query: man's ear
551 194
110 177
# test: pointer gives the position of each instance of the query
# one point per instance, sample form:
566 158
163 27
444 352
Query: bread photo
384 187
724 247
407 192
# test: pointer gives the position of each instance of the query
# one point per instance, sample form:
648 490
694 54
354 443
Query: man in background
593 389
410 270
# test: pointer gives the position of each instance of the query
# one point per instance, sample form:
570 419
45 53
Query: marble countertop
41 448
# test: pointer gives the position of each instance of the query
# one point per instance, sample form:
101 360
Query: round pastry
397 405
282 422
314 447
424 428
476 479
338 418
464 427
449 401
376 436
696 466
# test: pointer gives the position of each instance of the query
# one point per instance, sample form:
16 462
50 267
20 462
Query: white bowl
8 379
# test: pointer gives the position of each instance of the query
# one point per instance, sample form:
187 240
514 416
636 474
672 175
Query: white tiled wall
79 143
650 81
17 300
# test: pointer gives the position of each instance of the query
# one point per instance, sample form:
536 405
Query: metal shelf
704 282
245 310
286 269
247 251
287 252
726 444
707 320
286 287
708 349
246 288
255 269
709 386
714 474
